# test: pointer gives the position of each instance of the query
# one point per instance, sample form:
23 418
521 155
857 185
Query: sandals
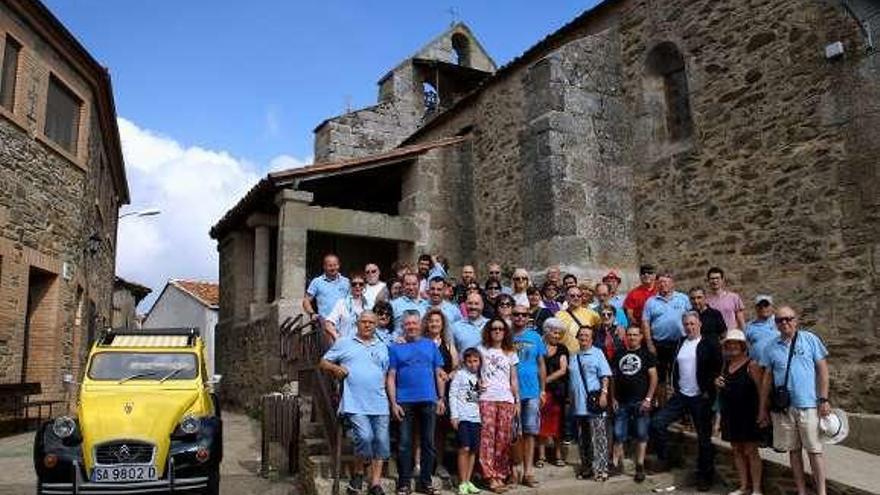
540 463
600 477
529 481
497 487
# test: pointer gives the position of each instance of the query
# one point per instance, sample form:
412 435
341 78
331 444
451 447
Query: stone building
686 133
62 181
126 297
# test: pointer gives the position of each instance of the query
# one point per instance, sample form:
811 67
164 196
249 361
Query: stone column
291 269
262 225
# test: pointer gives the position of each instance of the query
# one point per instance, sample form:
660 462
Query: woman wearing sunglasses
499 401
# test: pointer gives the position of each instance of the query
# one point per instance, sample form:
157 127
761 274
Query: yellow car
147 420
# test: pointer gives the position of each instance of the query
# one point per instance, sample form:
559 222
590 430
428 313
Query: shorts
796 429
468 435
369 435
630 414
530 416
665 357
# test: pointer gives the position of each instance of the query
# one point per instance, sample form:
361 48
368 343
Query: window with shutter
63 110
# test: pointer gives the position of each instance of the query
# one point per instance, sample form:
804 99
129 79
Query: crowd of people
516 373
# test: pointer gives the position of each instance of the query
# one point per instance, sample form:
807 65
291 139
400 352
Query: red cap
612 274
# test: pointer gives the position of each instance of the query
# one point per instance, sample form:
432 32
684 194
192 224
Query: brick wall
51 202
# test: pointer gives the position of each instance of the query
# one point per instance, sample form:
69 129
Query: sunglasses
357 284
785 319
505 305
524 315
493 288
520 278
383 313
606 314
494 273
372 271
497 329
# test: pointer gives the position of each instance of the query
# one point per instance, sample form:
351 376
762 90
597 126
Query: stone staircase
317 473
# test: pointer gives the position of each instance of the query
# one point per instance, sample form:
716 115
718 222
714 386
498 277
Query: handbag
781 397
593 406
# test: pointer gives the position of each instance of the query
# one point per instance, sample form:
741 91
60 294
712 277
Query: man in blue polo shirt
325 289
409 301
436 288
796 427
468 332
663 328
762 329
415 389
361 362
532 374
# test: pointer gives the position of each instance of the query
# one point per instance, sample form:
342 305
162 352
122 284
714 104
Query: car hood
132 414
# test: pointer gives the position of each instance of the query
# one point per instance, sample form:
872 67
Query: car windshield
125 366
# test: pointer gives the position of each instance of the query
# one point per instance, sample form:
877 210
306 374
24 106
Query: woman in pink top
499 401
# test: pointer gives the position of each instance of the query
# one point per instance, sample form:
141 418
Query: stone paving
239 471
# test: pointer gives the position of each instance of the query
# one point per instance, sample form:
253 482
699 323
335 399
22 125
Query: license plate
123 473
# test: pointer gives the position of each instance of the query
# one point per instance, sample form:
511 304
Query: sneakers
640 473
472 488
355 485
615 469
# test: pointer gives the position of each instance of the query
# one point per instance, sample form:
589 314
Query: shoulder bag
593 406
781 398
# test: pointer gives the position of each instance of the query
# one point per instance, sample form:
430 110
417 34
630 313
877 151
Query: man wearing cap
636 299
763 328
612 278
796 424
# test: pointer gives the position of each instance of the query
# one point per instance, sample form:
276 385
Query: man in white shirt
697 363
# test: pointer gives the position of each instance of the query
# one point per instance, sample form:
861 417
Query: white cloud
284 162
193 187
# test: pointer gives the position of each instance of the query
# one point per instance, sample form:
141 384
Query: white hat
833 428
734 334
763 298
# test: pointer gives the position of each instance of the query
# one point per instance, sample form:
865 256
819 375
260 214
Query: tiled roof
207 293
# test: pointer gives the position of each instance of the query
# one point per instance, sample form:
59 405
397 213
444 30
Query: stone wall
572 163
776 185
52 201
364 132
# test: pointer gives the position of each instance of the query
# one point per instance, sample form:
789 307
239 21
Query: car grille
124 452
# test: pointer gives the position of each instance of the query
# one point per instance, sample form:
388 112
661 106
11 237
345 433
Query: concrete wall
51 202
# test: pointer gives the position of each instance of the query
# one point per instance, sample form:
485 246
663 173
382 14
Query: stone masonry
685 133
52 201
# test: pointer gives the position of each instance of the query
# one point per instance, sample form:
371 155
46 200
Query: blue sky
211 88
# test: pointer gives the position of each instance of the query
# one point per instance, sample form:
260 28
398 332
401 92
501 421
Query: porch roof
264 191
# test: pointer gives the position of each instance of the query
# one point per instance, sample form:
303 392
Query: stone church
684 133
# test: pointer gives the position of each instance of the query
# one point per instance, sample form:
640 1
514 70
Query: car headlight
189 425
63 426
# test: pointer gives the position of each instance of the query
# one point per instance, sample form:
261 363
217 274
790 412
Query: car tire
213 482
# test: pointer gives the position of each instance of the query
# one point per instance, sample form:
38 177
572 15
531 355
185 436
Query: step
618 485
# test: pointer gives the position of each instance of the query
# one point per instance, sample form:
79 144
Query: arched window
667 88
461 45
432 98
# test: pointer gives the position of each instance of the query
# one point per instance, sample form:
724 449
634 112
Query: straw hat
833 428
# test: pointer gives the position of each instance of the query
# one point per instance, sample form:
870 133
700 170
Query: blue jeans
627 414
530 416
369 435
423 413
700 411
